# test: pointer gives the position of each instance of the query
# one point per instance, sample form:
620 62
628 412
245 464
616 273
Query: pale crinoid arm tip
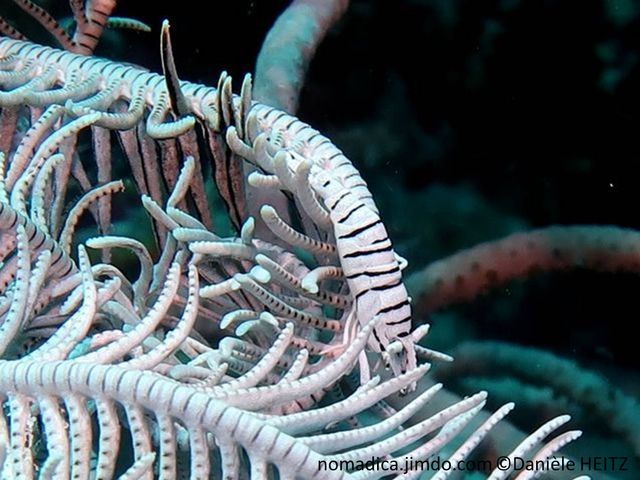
176 97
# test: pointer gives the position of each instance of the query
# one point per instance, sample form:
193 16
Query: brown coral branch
288 49
469 273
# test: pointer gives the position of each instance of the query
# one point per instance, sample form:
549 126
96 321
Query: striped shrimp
372 271
332 193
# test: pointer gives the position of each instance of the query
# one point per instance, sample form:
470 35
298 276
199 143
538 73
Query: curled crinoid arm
18 75
282 308
73 90
452 420
80 207
91 18
113 118
142 283
177 335
158 128
49 146
36 282
280 393
262 368
290 281
54 425
76 327
10 31
42 191
182 184
532 441
30 89
15 316
291 236
47 21
134 337
307 196
34 136
332 442
238 146
3 187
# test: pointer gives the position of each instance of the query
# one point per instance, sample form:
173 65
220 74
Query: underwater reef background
470 120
